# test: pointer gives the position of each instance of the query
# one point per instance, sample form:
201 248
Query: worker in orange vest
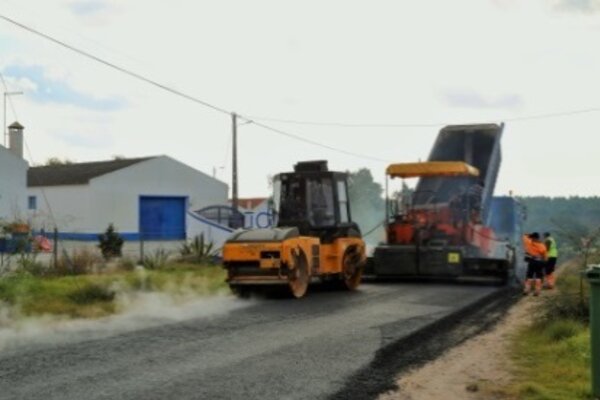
536 255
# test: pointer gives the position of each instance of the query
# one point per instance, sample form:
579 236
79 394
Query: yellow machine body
260 263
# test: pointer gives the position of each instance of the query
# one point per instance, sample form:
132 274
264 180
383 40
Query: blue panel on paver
162 218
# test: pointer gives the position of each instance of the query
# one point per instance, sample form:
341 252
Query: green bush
91 293
158 259
198 251
126 264
562 329
566 305
570 301
111 243
27 262
79 262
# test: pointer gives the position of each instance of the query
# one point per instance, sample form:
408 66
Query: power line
552 115
346 124
176 91
42 189
114 66
419 125
302 139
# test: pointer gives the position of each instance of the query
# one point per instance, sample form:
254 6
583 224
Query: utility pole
234 178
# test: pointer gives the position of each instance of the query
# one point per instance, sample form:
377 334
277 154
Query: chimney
15 138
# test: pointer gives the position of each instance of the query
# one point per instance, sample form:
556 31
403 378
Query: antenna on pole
234 177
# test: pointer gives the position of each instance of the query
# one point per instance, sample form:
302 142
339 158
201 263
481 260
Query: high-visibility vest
535 249
553 249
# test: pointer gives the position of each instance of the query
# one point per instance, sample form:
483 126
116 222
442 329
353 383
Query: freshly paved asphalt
270 349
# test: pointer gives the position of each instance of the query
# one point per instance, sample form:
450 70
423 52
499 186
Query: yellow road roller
313 238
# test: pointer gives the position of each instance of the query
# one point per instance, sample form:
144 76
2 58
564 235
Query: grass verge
552 354
96 295
552 361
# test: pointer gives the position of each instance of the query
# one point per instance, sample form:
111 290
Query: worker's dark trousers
535 269
550 265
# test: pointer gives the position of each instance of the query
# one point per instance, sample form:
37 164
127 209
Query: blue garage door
162 218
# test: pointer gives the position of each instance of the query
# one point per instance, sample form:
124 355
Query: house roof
16 125
77 173
250 203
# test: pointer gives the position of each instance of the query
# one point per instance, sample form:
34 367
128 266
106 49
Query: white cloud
21 84
88 7
472 99
579 6
55 91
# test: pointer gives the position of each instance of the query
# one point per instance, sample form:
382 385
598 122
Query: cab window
320 202
343 201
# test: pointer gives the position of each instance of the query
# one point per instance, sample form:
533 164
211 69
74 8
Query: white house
149 198
256 212
13 177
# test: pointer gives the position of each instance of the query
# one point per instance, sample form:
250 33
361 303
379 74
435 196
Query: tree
363 189
54 161
367 204
111 243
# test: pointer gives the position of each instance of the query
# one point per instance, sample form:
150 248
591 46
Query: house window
32 203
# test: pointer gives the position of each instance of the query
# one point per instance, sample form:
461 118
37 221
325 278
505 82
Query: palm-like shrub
198 251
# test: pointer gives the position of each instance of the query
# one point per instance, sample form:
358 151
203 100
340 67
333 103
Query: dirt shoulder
470 370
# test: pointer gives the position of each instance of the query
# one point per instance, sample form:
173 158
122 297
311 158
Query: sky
428 63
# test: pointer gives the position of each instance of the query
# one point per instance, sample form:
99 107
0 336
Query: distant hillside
563 216
544 213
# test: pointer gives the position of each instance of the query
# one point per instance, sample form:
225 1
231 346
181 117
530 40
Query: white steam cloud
140 310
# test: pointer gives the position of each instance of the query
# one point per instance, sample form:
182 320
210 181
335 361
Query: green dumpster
593 276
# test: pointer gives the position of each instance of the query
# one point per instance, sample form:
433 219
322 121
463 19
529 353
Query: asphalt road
270 349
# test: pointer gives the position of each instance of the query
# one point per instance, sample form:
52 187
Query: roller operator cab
314 238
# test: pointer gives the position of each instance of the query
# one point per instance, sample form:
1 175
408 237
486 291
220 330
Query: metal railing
57 250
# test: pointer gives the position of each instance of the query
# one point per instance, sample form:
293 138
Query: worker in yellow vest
550 266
